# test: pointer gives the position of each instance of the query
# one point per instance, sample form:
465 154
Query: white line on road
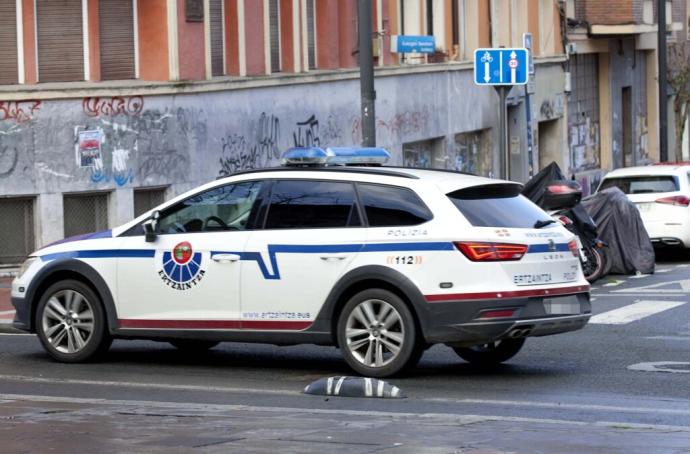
613 284
167 386
633 312
223 409
6 312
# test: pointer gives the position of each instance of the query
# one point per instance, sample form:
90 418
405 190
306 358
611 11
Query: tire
71 324
377 334
596 264
193 345
490 354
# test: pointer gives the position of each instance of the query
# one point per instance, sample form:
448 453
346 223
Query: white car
662 194
379 261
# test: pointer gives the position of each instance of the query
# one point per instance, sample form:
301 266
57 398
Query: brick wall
613 12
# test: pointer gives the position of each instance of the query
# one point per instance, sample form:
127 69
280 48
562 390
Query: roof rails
351 169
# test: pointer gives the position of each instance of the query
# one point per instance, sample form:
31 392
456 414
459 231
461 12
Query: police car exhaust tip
354 387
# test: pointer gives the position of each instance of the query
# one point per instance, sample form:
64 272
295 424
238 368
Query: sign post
527 44
502 68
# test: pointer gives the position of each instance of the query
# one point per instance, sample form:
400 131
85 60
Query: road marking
661 270
222 389
670 338
6 312
640 276
16 334
223 409
633 312
681 286
613 284
662 366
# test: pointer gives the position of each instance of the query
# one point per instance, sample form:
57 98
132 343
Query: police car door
189 277
312 232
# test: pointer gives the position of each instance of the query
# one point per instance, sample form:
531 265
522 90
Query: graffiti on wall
149 145
312 133
389 131
472 153
584 143
239 152
18 111
111 107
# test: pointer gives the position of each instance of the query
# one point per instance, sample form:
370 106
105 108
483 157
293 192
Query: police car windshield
499 205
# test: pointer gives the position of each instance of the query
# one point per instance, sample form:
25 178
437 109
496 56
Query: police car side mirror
150 227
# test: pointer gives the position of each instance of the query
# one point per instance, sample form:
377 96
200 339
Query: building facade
108 107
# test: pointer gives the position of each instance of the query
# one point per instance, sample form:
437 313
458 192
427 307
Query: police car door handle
225 258
333 258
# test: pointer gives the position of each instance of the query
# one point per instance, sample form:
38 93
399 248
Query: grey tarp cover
620 225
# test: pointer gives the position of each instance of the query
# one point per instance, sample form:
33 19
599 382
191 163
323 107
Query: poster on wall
89 148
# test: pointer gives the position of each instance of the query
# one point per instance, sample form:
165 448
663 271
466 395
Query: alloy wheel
375 333
68 321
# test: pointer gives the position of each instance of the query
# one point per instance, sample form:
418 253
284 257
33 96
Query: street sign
527 44
501 66
407 44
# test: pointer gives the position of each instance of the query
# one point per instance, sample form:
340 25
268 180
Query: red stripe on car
277 325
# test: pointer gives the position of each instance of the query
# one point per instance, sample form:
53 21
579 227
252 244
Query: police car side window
224 208
389 206
308 204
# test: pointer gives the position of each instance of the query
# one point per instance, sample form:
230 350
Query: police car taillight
572 245
335 156
491 252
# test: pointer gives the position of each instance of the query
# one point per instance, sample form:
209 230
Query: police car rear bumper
462 323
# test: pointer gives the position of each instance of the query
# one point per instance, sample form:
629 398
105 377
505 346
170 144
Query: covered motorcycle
630 251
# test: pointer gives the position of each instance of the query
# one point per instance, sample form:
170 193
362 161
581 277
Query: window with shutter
8 42
274 30
311 34
60 40
116 23
217 48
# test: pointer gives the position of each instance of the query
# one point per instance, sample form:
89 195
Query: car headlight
25 266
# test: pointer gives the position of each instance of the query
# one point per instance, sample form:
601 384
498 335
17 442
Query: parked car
662 195
380 261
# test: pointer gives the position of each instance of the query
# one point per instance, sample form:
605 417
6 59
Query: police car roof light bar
357 156
335 156
305 156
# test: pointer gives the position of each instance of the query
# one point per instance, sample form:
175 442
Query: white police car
380 261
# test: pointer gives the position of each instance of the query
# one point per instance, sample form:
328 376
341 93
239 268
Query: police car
329 249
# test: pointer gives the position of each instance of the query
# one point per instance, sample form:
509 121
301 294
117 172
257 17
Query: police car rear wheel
70 322
193 345
377 333
492 353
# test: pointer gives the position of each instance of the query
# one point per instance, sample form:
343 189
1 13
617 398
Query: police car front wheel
70 322
377 333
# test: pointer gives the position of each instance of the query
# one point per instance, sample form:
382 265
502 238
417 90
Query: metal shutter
147 199
274 28
60 40
8 42
311 34
216 23
117 39
85 213
17 227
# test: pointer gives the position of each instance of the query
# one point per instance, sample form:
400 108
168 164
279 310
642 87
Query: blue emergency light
335 156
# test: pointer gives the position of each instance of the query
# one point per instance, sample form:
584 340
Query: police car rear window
389 206
498 205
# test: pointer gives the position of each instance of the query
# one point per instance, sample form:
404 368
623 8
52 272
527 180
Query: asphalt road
589 391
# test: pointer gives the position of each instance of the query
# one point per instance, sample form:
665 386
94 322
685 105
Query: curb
8 273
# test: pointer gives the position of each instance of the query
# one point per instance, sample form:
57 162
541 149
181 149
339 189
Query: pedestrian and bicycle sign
501 66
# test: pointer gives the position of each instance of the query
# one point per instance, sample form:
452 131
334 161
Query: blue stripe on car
274 249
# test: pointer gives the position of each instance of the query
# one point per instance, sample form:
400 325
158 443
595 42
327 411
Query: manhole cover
663 366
